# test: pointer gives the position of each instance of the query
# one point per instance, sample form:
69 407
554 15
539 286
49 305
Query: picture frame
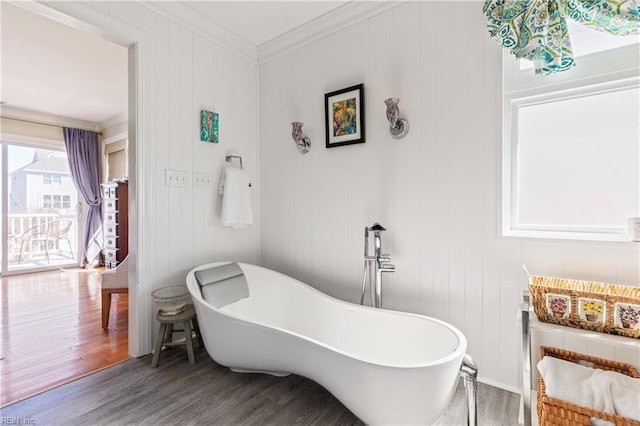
209 126
344 116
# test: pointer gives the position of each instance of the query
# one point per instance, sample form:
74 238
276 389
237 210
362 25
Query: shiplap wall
189 73
183 72
436 191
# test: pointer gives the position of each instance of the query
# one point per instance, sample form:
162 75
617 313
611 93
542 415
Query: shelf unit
115 222
537 333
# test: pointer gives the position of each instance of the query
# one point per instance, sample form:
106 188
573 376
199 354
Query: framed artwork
344 116
208 126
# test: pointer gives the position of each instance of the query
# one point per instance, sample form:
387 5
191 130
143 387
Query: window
116 160
46 202
51 179
571 144
56 201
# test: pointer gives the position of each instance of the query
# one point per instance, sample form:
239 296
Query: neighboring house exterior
43 186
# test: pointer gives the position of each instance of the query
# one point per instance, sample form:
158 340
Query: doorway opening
51 307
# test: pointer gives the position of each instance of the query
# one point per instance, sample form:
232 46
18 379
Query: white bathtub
387 367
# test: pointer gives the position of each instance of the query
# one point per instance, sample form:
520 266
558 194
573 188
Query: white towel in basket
626 400
598 389
237 211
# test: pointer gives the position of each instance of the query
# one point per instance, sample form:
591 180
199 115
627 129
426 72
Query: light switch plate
202 180
176 178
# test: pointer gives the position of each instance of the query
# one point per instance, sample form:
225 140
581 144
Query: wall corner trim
329 23
185 16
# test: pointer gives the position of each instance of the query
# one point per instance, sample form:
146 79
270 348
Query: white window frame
46 197
57 201
51 178
617 69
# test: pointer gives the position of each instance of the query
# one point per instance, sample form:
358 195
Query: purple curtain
83 151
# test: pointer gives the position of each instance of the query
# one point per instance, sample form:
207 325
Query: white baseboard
499 385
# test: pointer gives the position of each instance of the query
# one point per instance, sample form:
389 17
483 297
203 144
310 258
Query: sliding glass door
39 209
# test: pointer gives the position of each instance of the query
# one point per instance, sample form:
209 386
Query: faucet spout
378 262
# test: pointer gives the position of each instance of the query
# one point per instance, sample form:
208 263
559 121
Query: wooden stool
165 335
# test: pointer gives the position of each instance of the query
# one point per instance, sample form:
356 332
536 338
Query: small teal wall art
209 126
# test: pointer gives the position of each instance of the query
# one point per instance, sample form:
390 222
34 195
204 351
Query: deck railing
20 224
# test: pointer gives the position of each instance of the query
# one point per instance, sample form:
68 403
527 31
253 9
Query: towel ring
232 156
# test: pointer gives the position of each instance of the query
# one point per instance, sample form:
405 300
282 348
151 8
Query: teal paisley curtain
537 29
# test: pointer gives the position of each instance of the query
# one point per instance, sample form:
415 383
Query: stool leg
158 347
168 337
187 335
196 327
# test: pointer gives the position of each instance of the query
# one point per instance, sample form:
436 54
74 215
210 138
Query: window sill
621 237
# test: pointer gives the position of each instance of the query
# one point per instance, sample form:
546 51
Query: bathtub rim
460 350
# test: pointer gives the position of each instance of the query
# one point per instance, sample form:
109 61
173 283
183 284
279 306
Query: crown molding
120 117
185 16
35 117
329 23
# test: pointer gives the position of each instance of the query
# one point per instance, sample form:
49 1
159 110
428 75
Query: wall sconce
303 143
399 126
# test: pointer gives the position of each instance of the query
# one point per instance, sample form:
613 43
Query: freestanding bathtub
387 367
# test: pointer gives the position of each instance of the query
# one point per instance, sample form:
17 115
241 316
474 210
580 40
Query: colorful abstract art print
344 116
209 126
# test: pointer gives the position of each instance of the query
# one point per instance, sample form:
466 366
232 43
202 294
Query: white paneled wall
182 73
189 73
436 191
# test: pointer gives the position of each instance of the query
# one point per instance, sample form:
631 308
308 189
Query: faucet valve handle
387 267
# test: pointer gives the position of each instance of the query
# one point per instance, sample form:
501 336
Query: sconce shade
296 131
392 110
398 127
303 143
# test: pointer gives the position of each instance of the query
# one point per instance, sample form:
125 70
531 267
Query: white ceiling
259 22
53 69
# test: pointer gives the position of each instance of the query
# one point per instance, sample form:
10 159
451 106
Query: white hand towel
237 211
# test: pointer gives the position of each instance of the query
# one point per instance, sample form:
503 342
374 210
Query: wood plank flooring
52 332
208 394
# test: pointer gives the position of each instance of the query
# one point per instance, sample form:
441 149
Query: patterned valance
537 30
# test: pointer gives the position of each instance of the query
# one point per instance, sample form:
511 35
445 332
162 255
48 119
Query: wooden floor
52 333
208 394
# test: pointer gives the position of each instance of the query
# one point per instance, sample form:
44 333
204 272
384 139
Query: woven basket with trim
573 291
558 412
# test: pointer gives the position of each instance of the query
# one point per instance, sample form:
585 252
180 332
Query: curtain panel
83 152
537 29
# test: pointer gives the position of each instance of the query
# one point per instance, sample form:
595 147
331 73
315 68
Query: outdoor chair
46 233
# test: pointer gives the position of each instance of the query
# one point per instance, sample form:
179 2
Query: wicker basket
589 305
553 411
